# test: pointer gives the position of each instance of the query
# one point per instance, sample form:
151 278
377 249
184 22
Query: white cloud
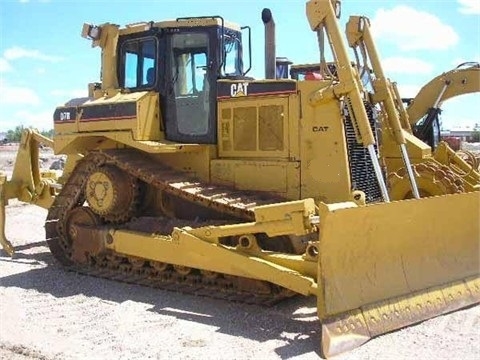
408 91
411 29
17 52
406 65
17 95
469 7
4 66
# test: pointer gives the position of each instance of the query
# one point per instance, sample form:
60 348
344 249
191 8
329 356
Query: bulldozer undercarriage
108 188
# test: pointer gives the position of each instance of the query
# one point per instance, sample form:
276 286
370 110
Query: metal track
238 203
122 268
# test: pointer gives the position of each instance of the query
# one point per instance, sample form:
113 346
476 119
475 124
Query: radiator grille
362 173
245 128
270 127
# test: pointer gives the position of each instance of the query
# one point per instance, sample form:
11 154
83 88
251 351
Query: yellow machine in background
183 170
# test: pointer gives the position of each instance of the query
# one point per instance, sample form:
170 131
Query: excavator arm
464 79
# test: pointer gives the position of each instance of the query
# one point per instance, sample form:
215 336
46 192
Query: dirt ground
48 313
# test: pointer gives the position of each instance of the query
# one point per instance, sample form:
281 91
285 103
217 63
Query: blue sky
44 62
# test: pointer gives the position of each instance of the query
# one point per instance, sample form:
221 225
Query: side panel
280 177
136 112
325 168
195 164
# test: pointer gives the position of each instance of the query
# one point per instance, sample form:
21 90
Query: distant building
465 133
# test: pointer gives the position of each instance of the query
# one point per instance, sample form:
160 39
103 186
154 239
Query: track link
221 198
238 204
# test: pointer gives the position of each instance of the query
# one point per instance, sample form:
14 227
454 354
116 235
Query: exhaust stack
270 57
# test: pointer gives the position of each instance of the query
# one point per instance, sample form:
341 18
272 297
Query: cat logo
320 128
239 89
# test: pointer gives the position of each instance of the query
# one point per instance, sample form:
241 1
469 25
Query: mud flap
386 266
4 243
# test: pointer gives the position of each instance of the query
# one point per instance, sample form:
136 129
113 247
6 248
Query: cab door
189 101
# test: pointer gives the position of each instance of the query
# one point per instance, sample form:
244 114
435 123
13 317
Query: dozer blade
386 266
6 245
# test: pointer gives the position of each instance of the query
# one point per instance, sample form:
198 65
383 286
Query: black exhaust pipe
270 57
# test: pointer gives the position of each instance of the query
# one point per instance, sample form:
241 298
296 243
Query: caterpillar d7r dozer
184 173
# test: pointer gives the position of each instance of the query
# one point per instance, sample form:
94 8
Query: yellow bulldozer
185 173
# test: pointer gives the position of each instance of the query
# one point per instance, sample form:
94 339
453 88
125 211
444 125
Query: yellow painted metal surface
416 148
82 142
111 123
458 82
386 266
281 177
4 243
324 165
144 125
372 253
27 183
353 328
192 159
185 249
448 157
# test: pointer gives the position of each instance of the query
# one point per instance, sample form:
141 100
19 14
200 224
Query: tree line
15 134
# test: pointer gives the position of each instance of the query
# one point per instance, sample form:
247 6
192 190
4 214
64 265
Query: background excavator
424 110
184 173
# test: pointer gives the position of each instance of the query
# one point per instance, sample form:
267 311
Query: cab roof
178 23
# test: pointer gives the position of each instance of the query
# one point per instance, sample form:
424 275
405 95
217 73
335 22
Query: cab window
232 65
139 63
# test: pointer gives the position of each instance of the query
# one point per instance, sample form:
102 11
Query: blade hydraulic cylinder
360 36
322 16
378 173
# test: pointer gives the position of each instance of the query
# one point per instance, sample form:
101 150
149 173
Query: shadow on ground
300 332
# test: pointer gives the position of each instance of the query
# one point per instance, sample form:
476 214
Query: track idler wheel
81 247
112 194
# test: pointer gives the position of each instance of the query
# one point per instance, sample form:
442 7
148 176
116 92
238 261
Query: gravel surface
48 313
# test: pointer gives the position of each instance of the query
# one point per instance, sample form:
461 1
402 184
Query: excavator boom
464 79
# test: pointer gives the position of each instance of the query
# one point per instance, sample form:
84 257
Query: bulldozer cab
182 61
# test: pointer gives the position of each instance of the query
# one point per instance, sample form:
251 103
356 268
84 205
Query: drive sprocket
112 193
